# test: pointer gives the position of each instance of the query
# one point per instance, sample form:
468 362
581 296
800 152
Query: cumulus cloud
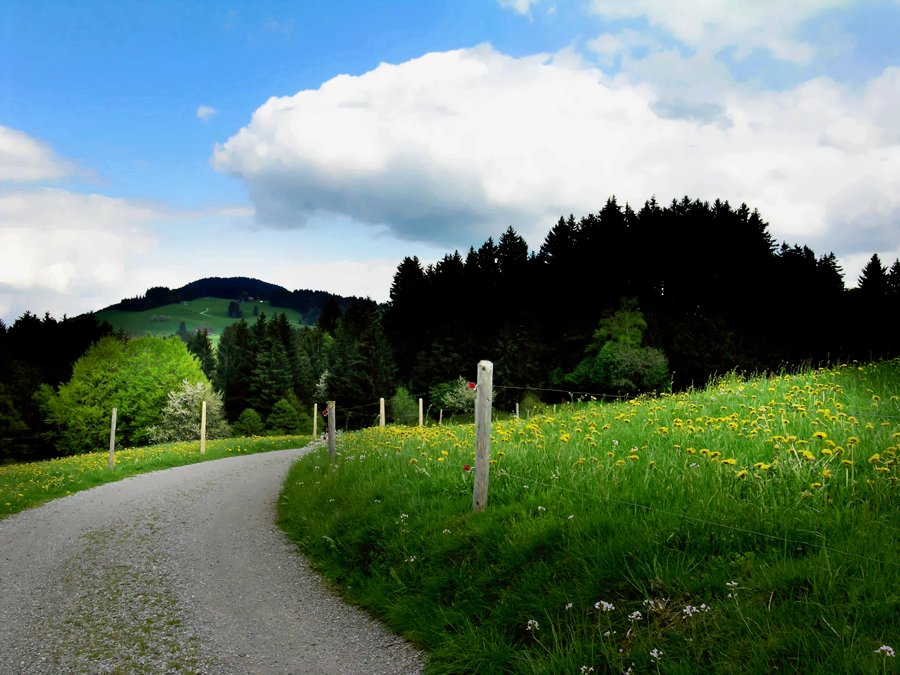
65 250
454 147
769 25
26 159
204 112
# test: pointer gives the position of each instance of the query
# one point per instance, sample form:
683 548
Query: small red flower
471 385
466 467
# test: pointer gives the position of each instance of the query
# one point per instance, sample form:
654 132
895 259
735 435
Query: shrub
248 423
453 397
284 419
404 408
181 415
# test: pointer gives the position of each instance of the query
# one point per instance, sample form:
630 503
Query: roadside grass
26 485
748 527
210 314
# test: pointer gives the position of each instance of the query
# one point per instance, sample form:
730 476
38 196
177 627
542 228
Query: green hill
203 313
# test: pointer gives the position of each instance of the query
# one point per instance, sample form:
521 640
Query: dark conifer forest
614 303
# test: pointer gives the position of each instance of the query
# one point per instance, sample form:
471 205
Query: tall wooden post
112 440
332 423
381 412
483 397
203 428
421 416
315 419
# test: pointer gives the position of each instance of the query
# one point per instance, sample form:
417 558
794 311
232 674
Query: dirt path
177 571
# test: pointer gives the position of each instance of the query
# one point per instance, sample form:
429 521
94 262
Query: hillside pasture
210 314
748 527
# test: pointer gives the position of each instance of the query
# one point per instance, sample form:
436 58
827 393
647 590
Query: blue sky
315 144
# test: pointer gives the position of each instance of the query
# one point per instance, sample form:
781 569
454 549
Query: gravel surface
180 571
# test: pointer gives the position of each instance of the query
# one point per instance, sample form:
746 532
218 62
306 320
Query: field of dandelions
748 527
33 483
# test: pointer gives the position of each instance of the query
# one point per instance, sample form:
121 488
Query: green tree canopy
134 376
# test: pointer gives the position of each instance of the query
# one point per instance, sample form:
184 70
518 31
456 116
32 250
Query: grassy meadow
204 313
753 526
30 484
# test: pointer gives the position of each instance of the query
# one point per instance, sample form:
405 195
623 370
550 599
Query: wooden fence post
517 410
381 412
203 428
332 423
421 417
112 440
315 419
483 397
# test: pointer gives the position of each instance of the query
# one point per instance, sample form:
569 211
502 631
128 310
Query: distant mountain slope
207 313
306 302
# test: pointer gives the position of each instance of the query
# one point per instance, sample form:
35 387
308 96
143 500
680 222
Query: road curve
177 571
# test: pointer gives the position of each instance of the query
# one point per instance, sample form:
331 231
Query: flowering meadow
30 484
748 527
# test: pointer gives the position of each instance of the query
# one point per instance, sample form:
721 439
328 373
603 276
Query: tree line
703 285
615 303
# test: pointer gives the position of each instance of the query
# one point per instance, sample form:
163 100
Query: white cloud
522 7
454 147
65 250
713 25
204 112
24 159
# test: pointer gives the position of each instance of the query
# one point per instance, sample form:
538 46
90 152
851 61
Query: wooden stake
381 412
112 440
483 397
332 445
421 417
315 419
203 428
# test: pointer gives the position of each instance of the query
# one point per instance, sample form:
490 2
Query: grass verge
25 485
752 526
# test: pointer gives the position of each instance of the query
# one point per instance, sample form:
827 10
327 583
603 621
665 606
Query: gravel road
180 571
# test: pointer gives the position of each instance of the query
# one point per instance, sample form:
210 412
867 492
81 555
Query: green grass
204 313
26 485
754 525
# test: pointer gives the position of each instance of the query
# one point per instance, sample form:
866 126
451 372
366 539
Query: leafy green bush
249 423
453 397
284 419
404 408
182 413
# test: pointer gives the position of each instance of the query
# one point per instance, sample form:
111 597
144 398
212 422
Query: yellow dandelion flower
846 462
827 451
875 458
731 461
808 455
820 435
853 440
816 485
620 462
633 457
743 473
